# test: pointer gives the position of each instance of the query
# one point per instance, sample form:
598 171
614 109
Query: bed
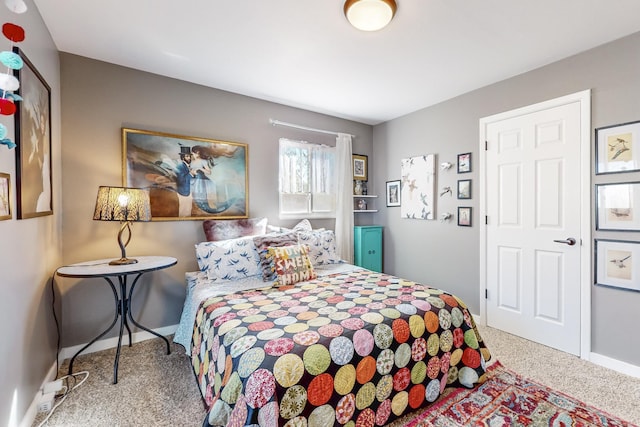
320 342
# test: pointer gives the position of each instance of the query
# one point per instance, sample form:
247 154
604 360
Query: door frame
586 245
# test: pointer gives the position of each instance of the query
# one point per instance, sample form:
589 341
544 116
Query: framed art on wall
360 167
464 216
5 196
33 136
418 187
393 193
464 189
618 264
187 177
618 206
618 148
464 163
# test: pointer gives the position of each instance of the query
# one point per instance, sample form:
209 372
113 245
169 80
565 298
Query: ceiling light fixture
370 15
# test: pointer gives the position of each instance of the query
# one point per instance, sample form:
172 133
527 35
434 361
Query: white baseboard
32 411
615 365
108 343
67 352
595 358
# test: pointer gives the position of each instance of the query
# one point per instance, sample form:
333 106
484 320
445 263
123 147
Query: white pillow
228 259
303 225
322 245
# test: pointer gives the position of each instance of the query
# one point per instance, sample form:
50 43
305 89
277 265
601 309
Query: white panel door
533 226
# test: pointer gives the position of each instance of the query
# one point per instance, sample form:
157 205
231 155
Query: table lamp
125 205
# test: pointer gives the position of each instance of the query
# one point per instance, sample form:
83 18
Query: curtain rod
291 125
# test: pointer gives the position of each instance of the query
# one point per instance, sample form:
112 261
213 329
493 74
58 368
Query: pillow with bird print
231 259
322 245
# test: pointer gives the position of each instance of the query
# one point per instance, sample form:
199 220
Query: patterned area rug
507 399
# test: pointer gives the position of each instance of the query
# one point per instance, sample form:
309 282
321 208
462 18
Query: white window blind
307 180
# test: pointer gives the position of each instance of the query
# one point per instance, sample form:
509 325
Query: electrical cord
53 309
66 387
66 393
55 318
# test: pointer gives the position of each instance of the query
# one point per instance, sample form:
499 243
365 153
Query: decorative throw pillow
303 225
322 245
219 229
277 229
228 259
290 264
262 243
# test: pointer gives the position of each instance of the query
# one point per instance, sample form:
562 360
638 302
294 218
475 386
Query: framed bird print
618 264
618 148
417 187
618 206
188 177
464 163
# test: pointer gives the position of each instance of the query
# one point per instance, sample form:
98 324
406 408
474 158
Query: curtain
344 196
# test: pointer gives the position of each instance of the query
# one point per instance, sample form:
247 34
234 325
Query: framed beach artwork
618 206
618 264
418 186
33 136
188 178
5 196
617 148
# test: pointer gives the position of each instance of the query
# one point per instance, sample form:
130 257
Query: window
307 180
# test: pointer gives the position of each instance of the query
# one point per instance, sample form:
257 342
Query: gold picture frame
5 196
188 178
360 167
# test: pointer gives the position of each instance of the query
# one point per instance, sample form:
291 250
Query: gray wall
98 100
30 248
447 256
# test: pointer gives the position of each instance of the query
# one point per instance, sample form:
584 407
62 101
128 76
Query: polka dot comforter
356 348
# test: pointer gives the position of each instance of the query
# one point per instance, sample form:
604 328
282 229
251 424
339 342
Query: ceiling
304 53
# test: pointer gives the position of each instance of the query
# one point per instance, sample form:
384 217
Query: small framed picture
618 264
464 163
393 193
359 167
5 206
618 148
618 206
464 189
464 216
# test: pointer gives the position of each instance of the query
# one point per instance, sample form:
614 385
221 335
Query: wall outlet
46 402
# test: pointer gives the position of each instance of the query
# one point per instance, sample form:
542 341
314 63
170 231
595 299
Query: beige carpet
158 390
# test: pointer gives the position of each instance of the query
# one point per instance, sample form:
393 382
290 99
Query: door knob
570 241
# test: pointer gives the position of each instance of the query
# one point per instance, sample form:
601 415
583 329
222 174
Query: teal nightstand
367 247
